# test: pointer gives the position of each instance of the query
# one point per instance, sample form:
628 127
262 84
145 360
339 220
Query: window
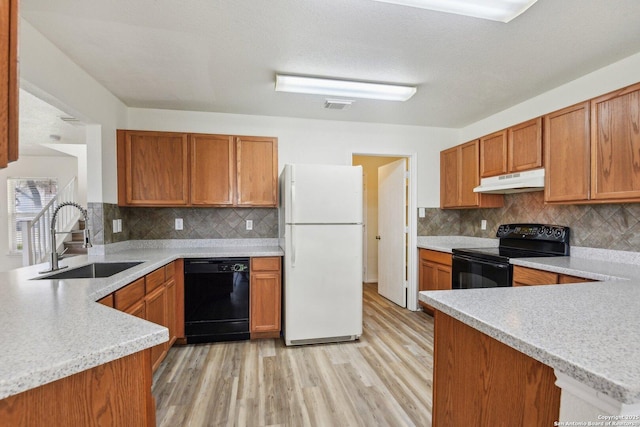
26 198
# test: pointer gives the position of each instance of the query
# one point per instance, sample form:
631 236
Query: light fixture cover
345 88
495 10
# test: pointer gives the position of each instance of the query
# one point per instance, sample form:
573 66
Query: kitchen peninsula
583 337
54 330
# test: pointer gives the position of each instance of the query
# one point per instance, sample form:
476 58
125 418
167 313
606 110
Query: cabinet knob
377 237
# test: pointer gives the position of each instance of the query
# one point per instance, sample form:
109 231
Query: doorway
371 262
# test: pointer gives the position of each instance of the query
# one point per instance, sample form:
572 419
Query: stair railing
36 240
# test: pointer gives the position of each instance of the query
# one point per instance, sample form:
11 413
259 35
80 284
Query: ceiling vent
337 104
71 120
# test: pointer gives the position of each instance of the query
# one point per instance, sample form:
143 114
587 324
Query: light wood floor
384 379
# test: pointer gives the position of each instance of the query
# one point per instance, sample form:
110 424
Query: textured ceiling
222 55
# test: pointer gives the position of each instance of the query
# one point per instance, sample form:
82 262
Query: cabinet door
138 309
213 172
443 277
257 171
156 312
449 178
265 302
152 168
525 146
171 311
8 82
615 142
493 154
469 176
566 154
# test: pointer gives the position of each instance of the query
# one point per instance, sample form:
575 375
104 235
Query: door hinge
407 174
406 230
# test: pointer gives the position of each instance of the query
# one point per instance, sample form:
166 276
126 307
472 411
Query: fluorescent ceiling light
495 10
351 89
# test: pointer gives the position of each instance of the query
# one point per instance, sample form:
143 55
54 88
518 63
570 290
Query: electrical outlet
249 224
483 224
115 226
119 226
421 212
179 224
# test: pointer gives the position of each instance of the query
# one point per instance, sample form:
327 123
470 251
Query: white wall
64 168
614 76
317 141
49 74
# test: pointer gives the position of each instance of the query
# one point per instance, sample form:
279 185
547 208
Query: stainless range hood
519 182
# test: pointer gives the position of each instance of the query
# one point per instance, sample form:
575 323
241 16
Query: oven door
469 272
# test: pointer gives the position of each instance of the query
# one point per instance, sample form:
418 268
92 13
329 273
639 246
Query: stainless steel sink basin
93 271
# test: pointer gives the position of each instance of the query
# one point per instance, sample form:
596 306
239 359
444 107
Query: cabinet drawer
169 270
530 276
435 256
265 264
129 295
154 279
565 278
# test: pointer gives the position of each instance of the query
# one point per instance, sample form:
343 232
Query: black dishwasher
216 299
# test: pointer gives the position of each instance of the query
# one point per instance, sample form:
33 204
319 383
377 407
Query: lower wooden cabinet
117 393
434 273
523 276
479 381
158 298
265 294
156 312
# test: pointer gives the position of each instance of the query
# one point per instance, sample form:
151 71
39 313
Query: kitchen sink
93 271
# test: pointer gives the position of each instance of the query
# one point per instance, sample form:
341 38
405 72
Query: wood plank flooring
384 379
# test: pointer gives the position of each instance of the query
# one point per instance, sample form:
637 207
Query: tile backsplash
199 223
607 226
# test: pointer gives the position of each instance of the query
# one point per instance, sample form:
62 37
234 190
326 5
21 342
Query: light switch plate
115 226
249 224
483 224
421 212
179 224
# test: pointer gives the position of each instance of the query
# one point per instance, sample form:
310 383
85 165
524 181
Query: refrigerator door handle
293 246
292 210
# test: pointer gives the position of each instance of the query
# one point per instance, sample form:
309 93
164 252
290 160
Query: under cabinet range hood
519 182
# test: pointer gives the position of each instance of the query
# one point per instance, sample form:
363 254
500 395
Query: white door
392 198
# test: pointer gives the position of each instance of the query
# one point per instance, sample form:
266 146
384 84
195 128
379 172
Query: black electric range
490 267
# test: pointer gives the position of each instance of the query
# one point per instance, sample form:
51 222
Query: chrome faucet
53 255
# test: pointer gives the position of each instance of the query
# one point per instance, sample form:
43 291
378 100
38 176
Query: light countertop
589 331
54 328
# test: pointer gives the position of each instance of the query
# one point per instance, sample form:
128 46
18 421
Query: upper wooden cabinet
257 163
213 169
153 168
493 154
8 82
179 169
516 149
566 151
459 175
615 145
525 146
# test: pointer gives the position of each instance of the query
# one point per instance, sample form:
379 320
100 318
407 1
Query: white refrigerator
320 222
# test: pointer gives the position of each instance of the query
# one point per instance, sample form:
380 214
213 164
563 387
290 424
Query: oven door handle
477 261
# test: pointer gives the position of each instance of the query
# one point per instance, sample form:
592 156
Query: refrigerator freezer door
323 194
323 283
